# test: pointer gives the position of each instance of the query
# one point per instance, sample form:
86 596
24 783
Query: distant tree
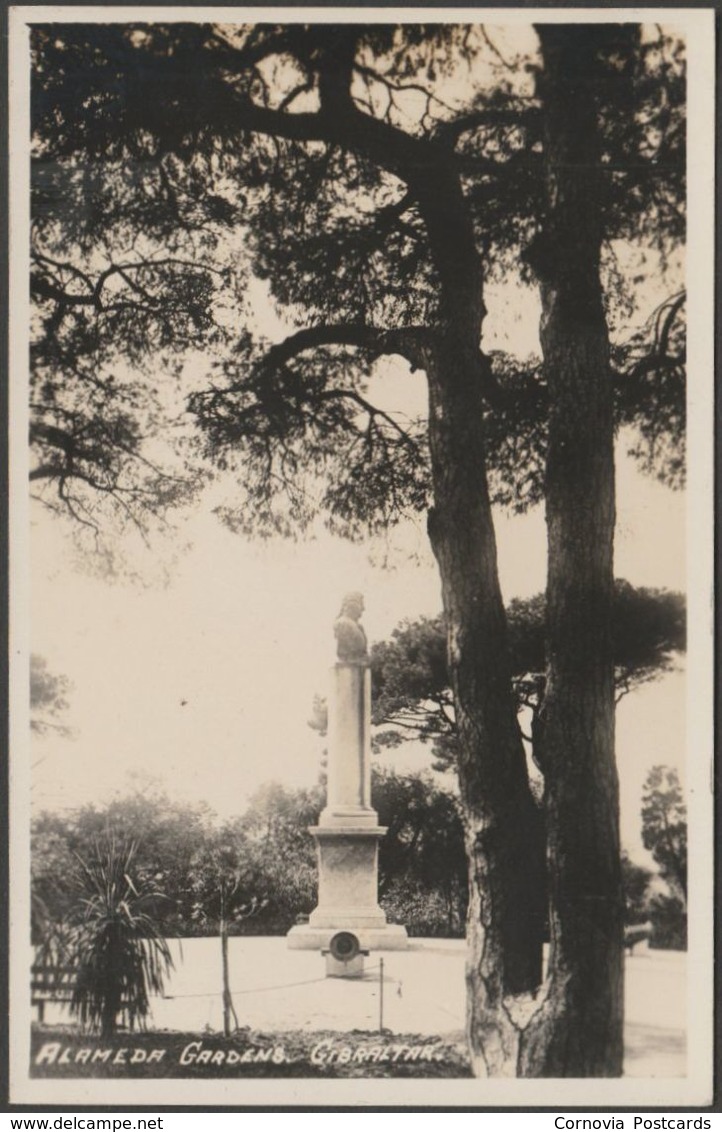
48 698
636 880
664 833
664 826
649 629
52 865
410 684
167 833
270 838
279 815
410 680
668 916
422 856
275 825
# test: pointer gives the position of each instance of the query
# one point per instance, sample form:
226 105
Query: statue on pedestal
348 830
351 643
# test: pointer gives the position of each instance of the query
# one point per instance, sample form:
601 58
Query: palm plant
120 956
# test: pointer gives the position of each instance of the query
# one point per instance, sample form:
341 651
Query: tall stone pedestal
348 832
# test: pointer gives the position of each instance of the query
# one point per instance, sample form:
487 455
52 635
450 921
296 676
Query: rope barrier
262 990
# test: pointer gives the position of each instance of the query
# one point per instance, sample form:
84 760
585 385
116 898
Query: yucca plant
120 956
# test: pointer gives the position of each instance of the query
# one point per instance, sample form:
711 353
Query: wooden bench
51 984
55 982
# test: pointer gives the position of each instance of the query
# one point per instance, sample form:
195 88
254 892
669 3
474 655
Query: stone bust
351 644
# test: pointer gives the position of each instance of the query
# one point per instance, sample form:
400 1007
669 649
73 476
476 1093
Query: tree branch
410 342
448 133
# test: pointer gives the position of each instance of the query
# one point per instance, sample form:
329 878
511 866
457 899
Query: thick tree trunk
506 905
578 1030
506 901
505 856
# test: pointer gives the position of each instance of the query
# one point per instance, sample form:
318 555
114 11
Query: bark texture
506 890
578 1030
505 918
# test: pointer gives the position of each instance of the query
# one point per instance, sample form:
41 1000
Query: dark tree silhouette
423 850
664 826
411 690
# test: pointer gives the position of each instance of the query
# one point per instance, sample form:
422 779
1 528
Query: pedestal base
345 968
348 833
307 937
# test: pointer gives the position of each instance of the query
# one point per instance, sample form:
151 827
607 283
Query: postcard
361 574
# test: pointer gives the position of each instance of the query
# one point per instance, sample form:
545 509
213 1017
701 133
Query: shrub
669 923
120 955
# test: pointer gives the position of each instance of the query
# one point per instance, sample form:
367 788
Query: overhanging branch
411 343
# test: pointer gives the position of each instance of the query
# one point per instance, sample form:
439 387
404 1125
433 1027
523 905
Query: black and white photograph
361 574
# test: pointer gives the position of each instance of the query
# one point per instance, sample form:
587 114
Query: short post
381 996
